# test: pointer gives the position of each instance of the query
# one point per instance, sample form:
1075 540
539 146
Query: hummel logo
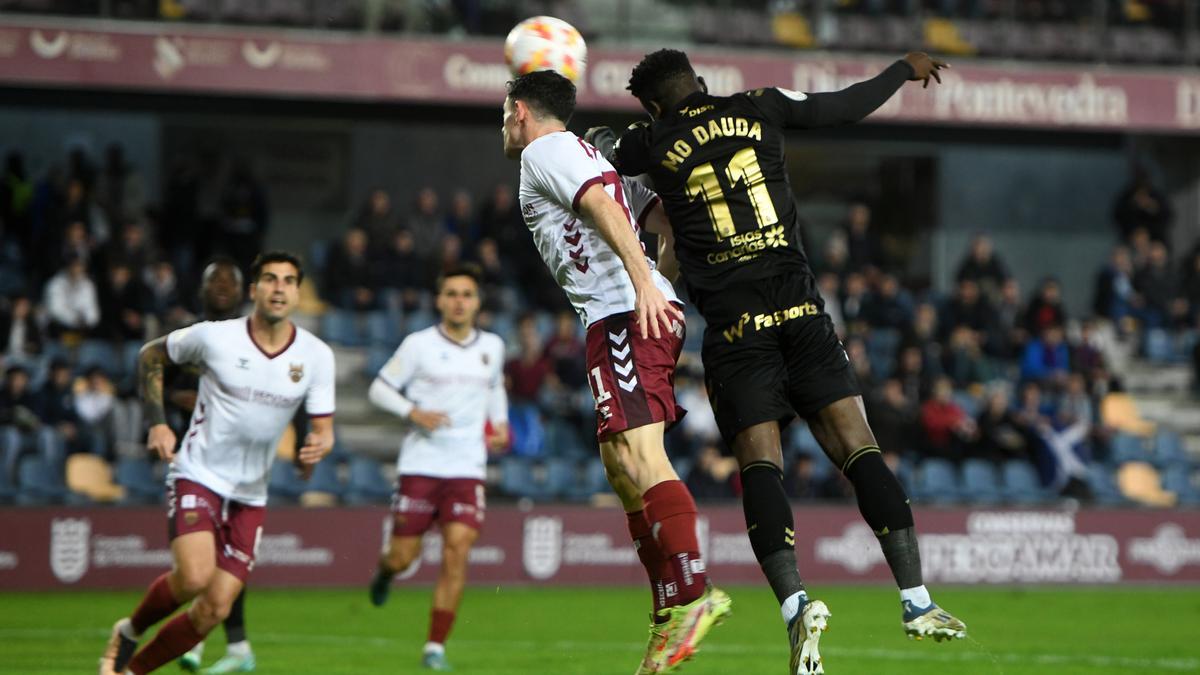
622 364
576 253
623 369
582 266
621 353
573 239
243 364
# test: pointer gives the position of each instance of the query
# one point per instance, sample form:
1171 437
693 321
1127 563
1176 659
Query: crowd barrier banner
49 548
262 62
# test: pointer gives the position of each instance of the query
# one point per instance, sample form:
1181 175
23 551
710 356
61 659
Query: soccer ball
546 43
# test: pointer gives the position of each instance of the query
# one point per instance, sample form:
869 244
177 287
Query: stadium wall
63 548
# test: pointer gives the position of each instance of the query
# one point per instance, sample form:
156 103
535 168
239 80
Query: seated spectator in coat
378 219
1046 308
72 303
1163 303
122 306
889 306
984 266
1115 297
20 333
402 270
349 279
894 417
1047 358
1001 436
963 359
970 308
862 243
1142 206
164 298
498 281
947 428
802 483
1010 327
711 478
56 408
854 301
856 350
425 224
527 372
19 422
460 220
913 373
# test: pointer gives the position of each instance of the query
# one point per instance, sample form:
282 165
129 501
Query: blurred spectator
122 306
179 228
528 371
402 270
860 363
349 282
1001 435
500 220
16 198
130 249
1046 358
854 299
1157 285
915 379
711 479
1142 206
1115 297
984 266
17 403
244 215
425 224
19 329
923 333
889 306
461 219
894 417
163 294
378 219
567 351
1046 308
830 287
862 244
498 280
1191 281
835 257
56 407
699 426
969 309
1010 316
101 413
947 428
801 482
120 190
75 243
71 300
79 207
450 252
963 360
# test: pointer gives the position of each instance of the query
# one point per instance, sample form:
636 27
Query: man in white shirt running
585 221
447 383
257 371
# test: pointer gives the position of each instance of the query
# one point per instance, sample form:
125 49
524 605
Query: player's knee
208 612
399 559
193 579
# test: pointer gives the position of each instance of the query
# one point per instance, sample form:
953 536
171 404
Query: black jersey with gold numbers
718 164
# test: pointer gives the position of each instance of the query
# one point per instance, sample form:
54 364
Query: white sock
791 607
239 649
127 630
435 648
198 650
917 595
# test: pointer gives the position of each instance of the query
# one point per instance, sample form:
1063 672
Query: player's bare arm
151 361
318 442
497 438
657 223
651 306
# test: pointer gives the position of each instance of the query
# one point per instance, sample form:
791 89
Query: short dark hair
461 270
546 92
222 260
276 257
658 73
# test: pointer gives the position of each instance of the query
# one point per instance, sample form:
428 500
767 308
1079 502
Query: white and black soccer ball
546 43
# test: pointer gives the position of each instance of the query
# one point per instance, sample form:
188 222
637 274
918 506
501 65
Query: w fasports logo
70 548
542 550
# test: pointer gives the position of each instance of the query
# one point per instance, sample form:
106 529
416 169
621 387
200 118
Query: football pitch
528 630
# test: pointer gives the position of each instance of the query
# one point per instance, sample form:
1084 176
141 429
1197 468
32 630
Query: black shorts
771 352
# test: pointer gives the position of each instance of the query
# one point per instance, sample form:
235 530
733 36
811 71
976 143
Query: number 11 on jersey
743 167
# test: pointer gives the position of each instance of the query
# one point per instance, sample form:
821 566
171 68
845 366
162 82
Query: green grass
513 630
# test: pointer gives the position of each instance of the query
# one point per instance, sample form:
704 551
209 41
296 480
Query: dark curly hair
659 74
545 91
276 257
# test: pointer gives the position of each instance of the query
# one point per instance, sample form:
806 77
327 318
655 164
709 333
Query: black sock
885 507
771 529
235 623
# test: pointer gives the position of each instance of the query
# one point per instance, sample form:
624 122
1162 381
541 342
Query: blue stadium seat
8 487
563 440
1129 448
38 484
520 478
1103 483
594 478
325 478
566 480
881 351
99 354
1184 482
937 482
136 475
284 484
1158 346
528 434
980 483
367 484
1019 483
1169 450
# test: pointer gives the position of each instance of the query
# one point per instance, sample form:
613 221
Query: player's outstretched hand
496 438
653 310
161 441
603 139
428 419
924 67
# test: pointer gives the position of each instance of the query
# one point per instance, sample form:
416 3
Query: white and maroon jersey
246 399
556 169
465 382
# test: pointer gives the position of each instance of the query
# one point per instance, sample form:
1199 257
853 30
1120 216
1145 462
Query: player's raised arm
853 103
611 222
152 359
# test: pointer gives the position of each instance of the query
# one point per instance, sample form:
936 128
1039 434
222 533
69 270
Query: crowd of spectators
986 374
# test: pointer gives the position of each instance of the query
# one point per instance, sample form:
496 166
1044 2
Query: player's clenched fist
428 419
161 441
924 67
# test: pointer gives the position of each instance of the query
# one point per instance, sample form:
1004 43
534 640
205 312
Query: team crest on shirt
485 359
296 371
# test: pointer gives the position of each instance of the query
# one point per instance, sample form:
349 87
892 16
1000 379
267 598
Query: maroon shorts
236 527
421 500
632 379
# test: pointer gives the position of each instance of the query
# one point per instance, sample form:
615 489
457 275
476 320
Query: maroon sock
156 605
663 589
173 640
440 622
672 517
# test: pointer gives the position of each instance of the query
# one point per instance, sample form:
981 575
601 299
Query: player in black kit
770 351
